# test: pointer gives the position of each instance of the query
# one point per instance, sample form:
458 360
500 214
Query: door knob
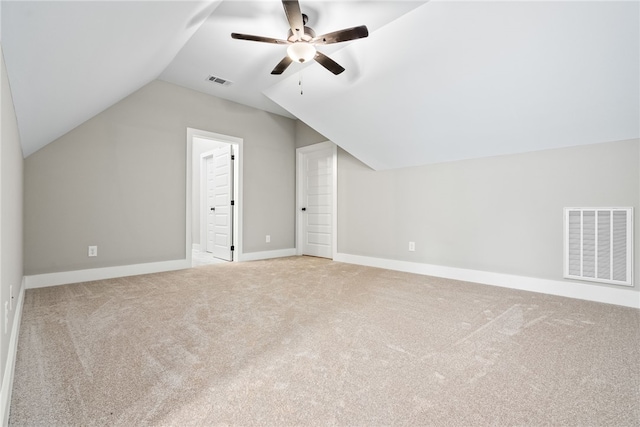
213 209
304 209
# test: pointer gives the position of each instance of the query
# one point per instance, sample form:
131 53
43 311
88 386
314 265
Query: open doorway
214 195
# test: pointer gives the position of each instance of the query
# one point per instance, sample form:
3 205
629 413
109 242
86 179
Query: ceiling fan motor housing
308 35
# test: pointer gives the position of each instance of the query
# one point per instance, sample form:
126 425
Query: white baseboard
67 277
195 247
255 256
7 378
570 289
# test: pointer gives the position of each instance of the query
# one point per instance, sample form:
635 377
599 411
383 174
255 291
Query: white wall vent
598 245
219 80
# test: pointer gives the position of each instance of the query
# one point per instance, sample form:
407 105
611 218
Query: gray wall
500 214
306 135
118 181
11 190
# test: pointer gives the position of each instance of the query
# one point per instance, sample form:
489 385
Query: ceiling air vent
219 80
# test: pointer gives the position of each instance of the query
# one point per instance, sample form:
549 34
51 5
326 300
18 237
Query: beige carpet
307 341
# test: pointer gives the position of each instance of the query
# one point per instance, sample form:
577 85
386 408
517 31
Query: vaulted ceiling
434 82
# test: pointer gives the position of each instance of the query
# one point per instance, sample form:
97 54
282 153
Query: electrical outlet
268 239
412 246
93 251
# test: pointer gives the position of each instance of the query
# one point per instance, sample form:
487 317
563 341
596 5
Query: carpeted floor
308 341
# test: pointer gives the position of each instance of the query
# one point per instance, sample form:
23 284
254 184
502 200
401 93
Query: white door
316 200
219 202
210 205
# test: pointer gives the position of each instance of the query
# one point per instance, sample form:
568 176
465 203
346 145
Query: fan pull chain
300 83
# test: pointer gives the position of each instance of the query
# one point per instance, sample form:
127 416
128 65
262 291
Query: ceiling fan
302 40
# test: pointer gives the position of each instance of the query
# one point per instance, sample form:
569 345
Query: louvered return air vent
598 245
218 80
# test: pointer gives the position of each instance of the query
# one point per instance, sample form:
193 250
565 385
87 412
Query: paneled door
210 206
316 200
220 203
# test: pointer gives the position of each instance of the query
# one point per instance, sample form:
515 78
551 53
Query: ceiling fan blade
342 35
328 63
294 16
258 38
282 65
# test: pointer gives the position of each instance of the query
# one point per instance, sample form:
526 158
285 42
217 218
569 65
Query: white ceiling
477 79
248 64
433 82
68 61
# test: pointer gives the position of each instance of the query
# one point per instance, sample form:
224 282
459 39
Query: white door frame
237 188
300 152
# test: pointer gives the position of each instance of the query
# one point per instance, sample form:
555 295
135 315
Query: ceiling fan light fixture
301 51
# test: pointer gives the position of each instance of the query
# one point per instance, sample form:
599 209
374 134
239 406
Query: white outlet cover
93 251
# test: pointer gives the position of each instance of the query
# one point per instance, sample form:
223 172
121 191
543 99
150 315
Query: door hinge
233 203
233 248
233 157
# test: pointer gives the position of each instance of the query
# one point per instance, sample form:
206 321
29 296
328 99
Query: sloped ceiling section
458 80
69 60
248 64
